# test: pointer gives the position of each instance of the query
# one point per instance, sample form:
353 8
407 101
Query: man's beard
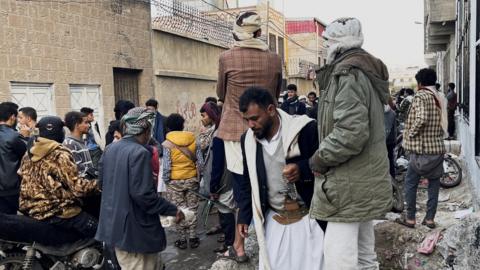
262 133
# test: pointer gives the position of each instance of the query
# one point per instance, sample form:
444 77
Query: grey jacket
130 208
354 185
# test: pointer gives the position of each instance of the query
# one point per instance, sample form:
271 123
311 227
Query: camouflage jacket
51 185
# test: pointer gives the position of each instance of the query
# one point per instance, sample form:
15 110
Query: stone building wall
186 72
69 43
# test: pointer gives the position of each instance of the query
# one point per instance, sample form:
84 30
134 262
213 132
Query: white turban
244 33
342 34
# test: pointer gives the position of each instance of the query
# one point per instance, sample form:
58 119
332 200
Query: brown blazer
240 68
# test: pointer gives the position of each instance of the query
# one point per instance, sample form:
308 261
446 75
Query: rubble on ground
251 248
397 245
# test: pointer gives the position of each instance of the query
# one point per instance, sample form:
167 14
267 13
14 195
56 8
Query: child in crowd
181 162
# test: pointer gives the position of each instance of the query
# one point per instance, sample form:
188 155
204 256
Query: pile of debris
397 246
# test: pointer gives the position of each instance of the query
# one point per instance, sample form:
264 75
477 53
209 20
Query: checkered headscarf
137 120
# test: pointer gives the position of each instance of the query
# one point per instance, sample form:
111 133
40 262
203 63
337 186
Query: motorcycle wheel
14 261
452 175
398 200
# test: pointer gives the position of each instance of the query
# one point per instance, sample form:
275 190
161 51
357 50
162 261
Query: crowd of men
310 175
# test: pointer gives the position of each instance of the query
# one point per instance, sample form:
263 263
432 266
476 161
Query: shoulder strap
170 145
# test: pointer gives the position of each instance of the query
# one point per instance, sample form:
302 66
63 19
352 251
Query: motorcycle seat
66 249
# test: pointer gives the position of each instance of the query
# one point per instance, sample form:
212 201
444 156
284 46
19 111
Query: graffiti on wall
189 110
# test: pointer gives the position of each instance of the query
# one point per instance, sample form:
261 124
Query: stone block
12 61
20 35
24 62
17 21
38 25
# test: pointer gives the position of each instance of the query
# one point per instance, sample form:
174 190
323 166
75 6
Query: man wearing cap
248 63
130 209
55 200
352 181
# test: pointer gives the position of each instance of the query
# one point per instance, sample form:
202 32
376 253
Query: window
125 84
272 42
463 56
36 95
281 49
87 96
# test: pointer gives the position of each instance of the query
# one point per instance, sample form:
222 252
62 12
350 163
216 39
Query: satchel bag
184 150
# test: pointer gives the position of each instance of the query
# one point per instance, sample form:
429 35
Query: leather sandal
232 255
403 221
429 225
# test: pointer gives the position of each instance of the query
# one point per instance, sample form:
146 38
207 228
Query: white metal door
35 95
87 96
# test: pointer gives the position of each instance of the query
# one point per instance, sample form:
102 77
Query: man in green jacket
352 181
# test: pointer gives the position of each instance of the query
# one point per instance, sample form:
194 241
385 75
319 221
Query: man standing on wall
247 64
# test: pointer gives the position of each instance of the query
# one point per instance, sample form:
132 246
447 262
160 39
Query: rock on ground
251 248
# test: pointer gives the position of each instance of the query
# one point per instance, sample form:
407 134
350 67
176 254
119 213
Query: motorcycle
29 244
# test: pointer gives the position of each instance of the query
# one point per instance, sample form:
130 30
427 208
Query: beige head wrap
244 33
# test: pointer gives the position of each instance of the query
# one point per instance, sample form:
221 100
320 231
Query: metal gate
125 83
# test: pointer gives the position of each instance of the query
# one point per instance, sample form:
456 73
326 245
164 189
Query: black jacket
130 208
294 107
308 143
12 149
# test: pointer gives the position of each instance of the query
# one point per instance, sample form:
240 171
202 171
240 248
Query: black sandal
220 249
181 243
403 221
232 255
429 225
194 242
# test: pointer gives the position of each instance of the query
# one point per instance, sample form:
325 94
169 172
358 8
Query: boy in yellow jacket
182 160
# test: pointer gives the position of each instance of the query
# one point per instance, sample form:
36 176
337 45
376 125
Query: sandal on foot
403 221
214 230
194 242
221 238
429 225
181 243
220 249
232 255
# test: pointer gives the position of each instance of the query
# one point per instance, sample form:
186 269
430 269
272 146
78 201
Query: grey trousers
411 185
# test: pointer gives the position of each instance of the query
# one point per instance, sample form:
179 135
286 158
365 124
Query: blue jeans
411 184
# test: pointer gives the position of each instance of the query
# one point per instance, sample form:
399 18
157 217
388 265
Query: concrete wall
471 165
74 43
304 86
441 10
308 40
186 73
